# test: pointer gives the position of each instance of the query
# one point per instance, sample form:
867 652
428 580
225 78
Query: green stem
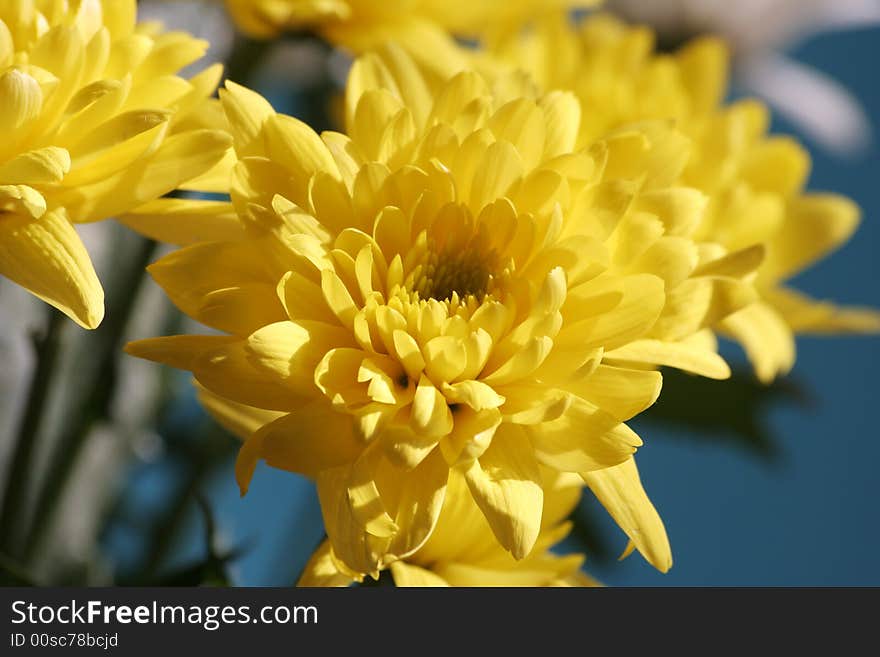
96 404
47 348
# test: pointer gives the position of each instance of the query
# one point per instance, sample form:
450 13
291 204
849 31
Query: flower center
466 273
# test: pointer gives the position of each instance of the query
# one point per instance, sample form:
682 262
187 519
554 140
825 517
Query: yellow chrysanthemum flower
95 122
424 27
755 182
452 285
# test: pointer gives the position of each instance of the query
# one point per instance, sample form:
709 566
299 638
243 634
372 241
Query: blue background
806 518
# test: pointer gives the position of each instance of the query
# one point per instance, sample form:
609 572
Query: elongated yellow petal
584 438
220 363
185 221
289 352
180 351
45 256
365 499
216 179
767 339
354 547
431 415
806 315
641 302
44 165
115 145
681 355
296 147
192 275
506 484
620 491
778 164
22 200
20 99
471 435
815 225
180 158
308 441
622 392
246 112
418 496
704 64
699 303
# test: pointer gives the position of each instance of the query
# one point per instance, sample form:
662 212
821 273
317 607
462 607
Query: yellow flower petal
221 364
563 113
471 435
288 352
704 64
358 550
778 164
226 288
622 392
699 303
679 208
534 404
365 500
185 221
430 414
180 351
308 441
44 165
413 500
620 491
116 145
406 575
46 257
180 158
767 339
806 315
681 355
296 147
394 71
418 499
584 438
639 307
815 225
22 200
321 570
506 484
20 99
404 448
737 264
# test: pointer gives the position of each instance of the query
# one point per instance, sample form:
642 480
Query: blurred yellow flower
363 23
424 27
754 182
95 121
451 285
462 550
